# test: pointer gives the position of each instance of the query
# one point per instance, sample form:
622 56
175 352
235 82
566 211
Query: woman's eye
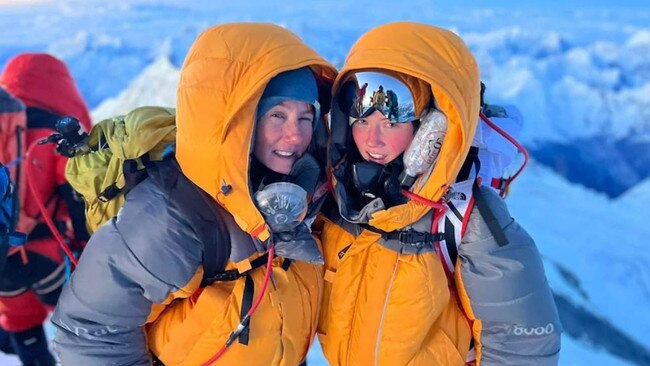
277 115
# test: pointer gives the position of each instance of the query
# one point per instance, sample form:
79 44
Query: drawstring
425 201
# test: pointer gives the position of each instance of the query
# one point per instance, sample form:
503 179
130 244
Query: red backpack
44 88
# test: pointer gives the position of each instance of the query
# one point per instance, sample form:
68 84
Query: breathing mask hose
439 208
245 322
424 201
41 206
512 141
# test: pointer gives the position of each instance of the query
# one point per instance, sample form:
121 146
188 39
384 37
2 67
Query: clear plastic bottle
423 150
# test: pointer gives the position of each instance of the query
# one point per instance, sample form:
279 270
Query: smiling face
283 134
380 141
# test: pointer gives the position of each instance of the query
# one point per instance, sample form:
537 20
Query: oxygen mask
284 207
283 204
374 180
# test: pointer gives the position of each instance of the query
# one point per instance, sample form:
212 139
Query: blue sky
546 4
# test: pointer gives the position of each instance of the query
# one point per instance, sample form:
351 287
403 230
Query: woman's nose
374 137
291 131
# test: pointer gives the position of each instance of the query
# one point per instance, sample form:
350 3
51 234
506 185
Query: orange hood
222 80
441 59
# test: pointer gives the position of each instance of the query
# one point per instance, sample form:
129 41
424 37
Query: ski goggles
363 93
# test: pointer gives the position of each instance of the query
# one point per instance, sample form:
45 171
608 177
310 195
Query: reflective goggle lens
363 93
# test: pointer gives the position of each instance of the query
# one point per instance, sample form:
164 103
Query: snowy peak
155 86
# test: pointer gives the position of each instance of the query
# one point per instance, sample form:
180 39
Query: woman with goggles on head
399 291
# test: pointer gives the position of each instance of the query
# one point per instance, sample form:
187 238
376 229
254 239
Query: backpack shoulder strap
208 220
461 199
452 224
487 214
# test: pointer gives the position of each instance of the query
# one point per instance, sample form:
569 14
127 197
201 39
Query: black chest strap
406 241
249 288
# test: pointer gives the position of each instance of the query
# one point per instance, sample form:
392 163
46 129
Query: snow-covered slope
596 254
155 86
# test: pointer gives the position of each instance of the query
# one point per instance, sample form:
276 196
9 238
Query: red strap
195 296
512 141
257 231
497 183
466 218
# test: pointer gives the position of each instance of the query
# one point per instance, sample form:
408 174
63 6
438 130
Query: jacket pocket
175 333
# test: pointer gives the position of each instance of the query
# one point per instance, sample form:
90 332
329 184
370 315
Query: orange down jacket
382 307
139 271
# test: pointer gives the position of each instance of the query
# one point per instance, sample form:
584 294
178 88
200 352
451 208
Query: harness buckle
418 239
109 193
413 238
